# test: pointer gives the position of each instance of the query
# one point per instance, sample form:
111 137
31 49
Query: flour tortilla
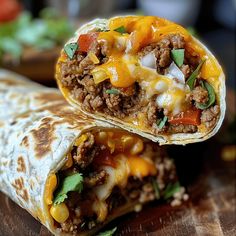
180 138
37 129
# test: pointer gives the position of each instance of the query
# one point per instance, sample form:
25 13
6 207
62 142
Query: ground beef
82 215
199 94
177 41
79 93
84 153
89 85
163 51
94 97
186 70
210 115
152 112
180 128
95 178
112 100
192 60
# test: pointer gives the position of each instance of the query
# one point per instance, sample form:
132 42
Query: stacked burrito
130 80
72 172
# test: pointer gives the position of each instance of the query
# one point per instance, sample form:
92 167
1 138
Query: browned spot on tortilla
49 97
11 82
25 141
43 137
68 114
21 165
31 183
1 124
20 190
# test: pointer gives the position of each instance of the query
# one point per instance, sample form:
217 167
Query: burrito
144 74
72 173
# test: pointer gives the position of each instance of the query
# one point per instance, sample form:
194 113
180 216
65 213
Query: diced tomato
9 10
190 117
104 158
85 41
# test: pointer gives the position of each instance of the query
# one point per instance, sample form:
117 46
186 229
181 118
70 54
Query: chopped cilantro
192 78
70 49
170 190
178 56
112 91
70 183
161 123
120 29
211 96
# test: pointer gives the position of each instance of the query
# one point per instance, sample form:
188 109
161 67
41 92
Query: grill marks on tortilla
25 141
20 190
67 114
52 97
21 167
12 82
43 137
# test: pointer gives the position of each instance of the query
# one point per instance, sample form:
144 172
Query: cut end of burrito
71 172
147 75
107 173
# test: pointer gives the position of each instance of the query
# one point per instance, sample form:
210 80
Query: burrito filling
105 172
146 71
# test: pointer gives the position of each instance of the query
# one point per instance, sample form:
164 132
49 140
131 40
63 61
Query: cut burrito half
145 74
68 171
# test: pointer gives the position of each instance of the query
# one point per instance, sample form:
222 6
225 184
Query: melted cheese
141 167
124 67
51 185
126 166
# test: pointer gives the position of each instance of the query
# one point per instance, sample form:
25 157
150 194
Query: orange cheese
117 71
49 189
123 63
194 49
127 22
210 69
140 167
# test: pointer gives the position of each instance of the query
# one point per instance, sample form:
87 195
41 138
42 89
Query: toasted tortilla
180 138
37 128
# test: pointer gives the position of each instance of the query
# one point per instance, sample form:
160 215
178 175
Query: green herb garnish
170 190
120 29
70 183
161 123
46 32
192 78
112 91
70 49
211 96
178 56
108 232
156 188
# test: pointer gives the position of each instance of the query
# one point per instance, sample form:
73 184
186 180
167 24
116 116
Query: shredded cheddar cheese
49 189
140 167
